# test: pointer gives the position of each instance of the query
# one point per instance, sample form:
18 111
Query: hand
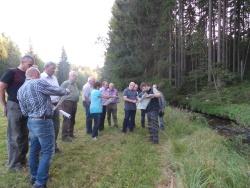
150 96
67 91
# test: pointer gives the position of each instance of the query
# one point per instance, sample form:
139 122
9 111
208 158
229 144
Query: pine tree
63 67
37 60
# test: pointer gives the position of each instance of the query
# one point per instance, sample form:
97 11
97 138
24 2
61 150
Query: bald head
32 73
131 85
91 80
72 76
111 86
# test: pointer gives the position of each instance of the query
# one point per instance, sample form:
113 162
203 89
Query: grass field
231 102
189 155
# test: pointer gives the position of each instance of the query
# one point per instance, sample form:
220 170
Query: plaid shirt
34 97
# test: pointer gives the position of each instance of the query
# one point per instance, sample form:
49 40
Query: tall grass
200 157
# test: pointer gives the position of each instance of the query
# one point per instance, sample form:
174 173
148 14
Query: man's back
34 97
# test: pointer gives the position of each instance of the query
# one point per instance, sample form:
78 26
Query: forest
183 45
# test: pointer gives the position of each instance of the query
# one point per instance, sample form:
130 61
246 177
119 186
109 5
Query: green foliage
232 102
130 55
9 54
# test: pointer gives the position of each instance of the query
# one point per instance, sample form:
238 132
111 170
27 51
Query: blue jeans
42 147
88 117
97 121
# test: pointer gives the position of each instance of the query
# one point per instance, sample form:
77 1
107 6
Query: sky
49 25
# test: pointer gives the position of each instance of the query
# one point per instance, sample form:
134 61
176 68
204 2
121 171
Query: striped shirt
34 97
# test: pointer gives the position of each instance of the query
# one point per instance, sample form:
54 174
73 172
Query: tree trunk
210 42
170 56
219 33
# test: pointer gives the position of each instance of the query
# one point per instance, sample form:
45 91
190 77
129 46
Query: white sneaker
94 138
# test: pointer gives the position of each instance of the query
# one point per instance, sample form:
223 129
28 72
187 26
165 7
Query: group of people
150 101
99 100
36 99
32 109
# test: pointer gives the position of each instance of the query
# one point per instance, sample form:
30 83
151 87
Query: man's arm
3 87
128 100
47 89
155 95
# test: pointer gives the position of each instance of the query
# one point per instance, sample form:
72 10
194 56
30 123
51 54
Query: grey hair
72 72
49 64
30 71
90 78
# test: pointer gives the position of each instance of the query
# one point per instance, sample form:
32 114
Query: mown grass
191 152
232 102
114 160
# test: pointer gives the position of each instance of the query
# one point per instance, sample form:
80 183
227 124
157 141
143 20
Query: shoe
16 169
57 150
94 138
67 139
39 186
73 137
32 181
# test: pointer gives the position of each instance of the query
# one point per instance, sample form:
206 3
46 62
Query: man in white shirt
48 75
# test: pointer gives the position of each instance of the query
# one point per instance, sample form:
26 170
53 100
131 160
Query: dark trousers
56 124
102 121
97 118
129 120
112 110
143 115
153 126
17 136
68 124
88 117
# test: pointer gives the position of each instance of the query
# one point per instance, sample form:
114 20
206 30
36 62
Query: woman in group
96 108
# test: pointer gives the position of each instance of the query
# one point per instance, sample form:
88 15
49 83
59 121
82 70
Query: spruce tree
63 67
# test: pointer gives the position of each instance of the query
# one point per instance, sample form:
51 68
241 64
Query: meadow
190 154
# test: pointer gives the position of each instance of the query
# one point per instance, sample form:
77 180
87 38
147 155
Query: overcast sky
51 24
